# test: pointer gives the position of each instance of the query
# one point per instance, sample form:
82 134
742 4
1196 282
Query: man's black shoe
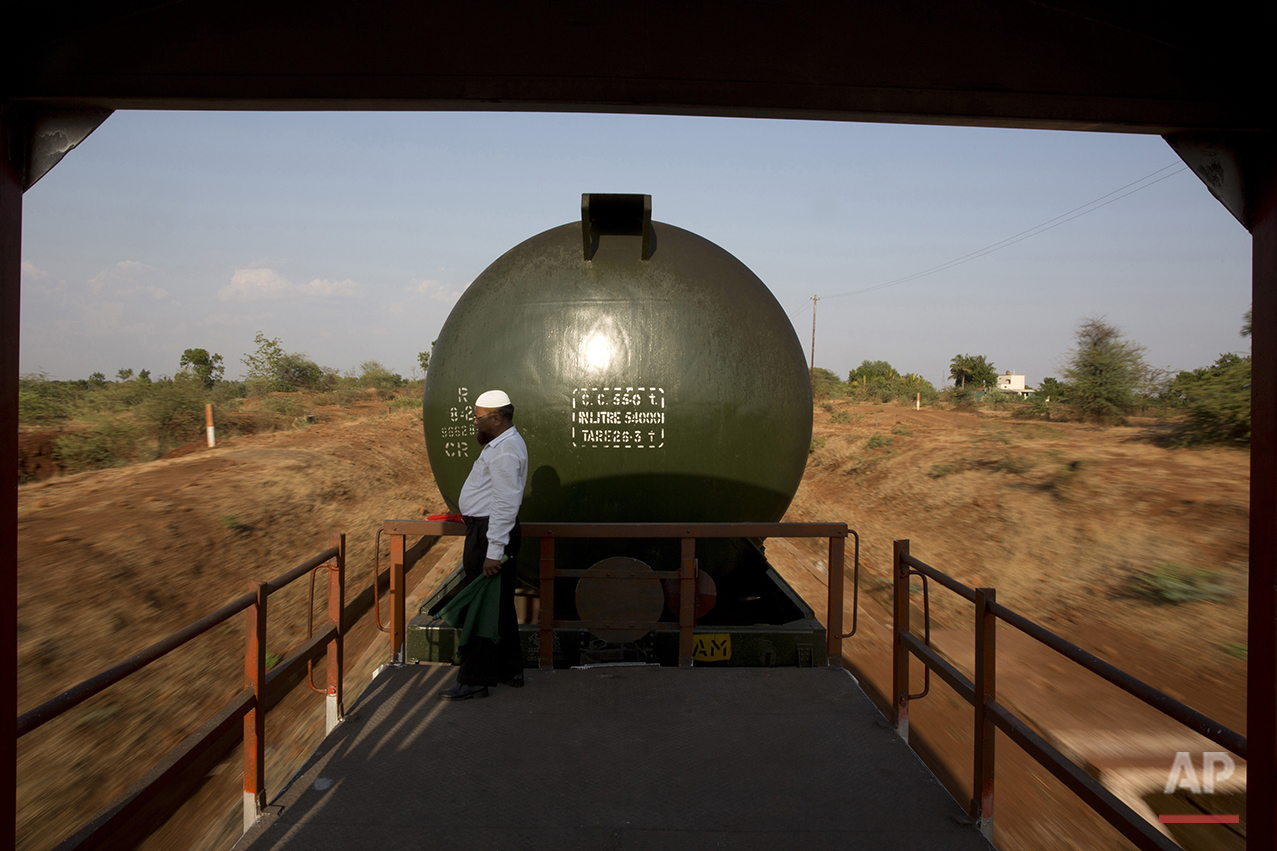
513 682
460 692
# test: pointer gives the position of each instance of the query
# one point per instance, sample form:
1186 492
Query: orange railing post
986 693
900 627
336 649
398 596
833 625
255 717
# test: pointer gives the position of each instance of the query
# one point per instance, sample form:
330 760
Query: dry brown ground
1060 518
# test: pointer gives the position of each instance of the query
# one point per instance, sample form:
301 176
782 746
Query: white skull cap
492 399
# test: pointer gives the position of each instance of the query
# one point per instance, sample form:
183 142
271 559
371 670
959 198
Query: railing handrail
547 532
34 718
633 530
1162 702
982 695
117 825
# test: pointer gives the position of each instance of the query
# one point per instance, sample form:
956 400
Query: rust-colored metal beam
835 588
1261 685
986 692
335 707
900 628
255 718
11 155
633 530
398 597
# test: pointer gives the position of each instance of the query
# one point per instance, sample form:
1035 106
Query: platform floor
617 758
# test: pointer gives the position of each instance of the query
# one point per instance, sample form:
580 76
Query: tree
373 374
423 358
297 372
873 380
873 370
263 364
1245 332
124 374
1050 389
972 370
270 368
825 383
97 379
144 376
203 367
1217 400
1103 372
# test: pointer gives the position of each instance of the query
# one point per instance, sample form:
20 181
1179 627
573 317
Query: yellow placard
712 647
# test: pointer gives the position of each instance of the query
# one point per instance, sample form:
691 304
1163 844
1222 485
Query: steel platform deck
617 758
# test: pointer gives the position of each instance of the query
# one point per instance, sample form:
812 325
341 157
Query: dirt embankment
1068 522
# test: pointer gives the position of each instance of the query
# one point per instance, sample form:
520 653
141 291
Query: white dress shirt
494 488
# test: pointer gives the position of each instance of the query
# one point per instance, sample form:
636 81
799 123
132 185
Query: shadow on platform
617 758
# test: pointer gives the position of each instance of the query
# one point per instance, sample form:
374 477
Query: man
489 502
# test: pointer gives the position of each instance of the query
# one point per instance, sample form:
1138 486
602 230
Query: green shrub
285 404
174 410
42 401
902 430
1232 648
840 417
1169 582
879 440
1217 403
817 443
373 374
109 442
939 471
997 399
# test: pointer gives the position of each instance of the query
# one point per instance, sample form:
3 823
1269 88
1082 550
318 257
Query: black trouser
483 662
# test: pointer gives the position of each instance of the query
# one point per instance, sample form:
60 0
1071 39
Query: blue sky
350 236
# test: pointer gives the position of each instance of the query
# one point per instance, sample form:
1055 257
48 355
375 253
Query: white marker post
208 421
917 403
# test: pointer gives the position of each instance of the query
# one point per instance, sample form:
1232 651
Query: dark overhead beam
1005 63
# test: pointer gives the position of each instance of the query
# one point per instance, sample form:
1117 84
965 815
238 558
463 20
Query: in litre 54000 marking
618 417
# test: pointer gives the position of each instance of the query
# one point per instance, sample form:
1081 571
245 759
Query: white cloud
123 279
252 284
236 319
263 283
132 266
432 289
331 288
31 272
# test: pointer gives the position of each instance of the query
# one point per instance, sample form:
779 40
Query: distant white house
1009 383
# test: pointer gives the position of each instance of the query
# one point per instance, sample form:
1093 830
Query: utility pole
811 375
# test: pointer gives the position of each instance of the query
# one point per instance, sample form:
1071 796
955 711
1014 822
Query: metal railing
143 807
686 575
989 714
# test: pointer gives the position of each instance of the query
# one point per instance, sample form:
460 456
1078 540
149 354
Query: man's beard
483 436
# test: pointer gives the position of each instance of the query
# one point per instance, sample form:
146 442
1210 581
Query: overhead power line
1091 206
